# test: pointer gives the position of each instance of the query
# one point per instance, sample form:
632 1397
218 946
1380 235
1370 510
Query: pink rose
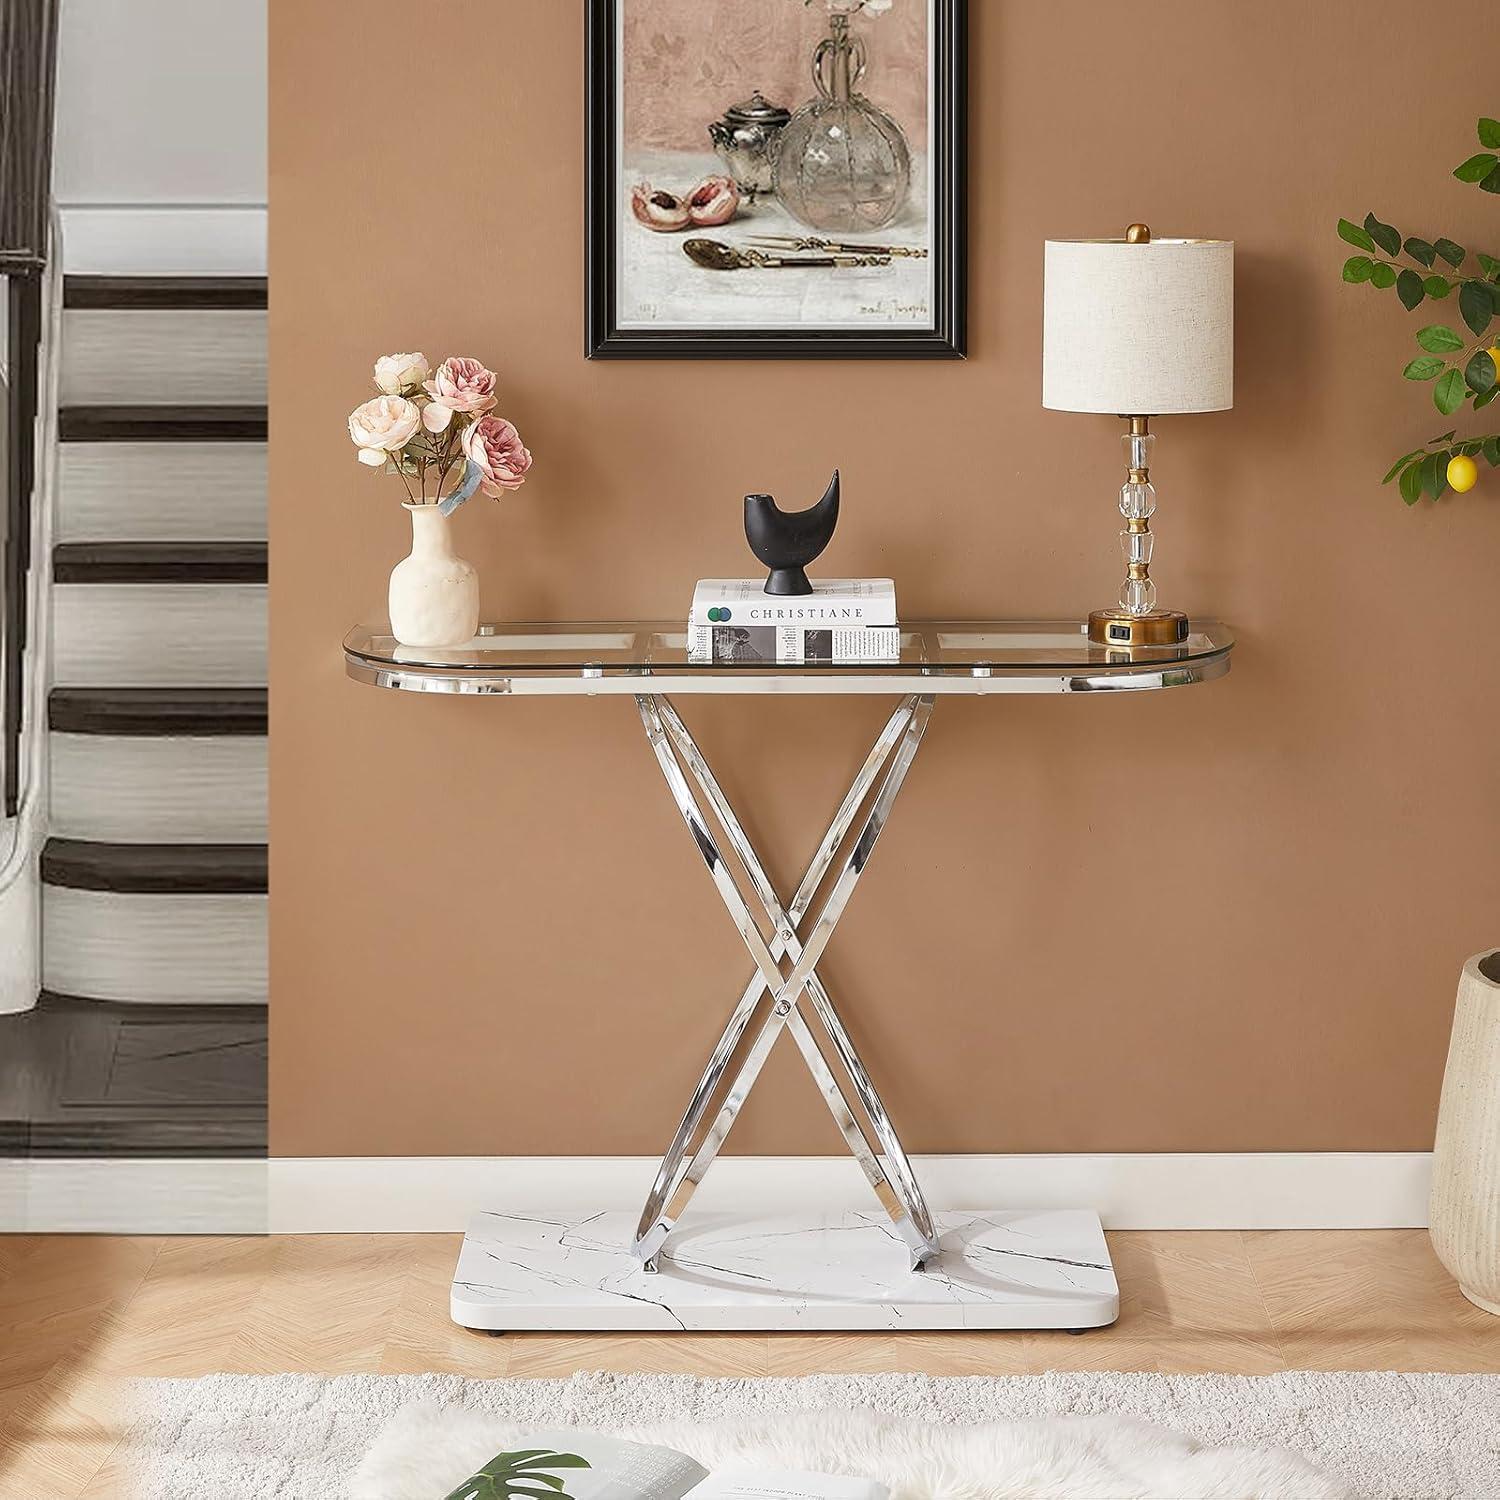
382 426
495 447
459 385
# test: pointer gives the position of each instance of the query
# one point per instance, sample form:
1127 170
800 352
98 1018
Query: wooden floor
77 1313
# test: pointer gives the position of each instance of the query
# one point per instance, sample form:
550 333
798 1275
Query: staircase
150 1035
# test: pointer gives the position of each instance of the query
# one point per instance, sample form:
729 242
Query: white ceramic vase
434 595
1465 1210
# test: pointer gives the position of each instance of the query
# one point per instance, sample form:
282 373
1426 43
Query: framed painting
776 178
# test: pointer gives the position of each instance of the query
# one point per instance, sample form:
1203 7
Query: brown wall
489 933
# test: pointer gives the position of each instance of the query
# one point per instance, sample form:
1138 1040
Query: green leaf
1401 463
1411 484
1480 402
1479 373
1383 275
1476 304
1436 286
1437 339
1385 235
1352 234
1476 167
1432 442
1488 264
1489 132
1420 250
1448 394
1425 367
1492 451
1452 253
1434 470
1491 183
1358 268
517 1476
1409 289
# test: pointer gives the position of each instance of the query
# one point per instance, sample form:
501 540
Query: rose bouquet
438 428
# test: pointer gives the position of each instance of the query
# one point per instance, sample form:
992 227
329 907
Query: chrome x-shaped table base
884 1162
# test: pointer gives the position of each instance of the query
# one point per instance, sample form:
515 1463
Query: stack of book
845 620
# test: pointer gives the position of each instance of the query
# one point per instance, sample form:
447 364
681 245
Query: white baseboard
431 1195
1295 1190
179 239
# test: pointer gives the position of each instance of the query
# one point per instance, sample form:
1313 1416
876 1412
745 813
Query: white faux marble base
1004 1268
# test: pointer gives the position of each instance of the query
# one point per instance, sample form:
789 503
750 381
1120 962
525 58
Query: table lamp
1139 328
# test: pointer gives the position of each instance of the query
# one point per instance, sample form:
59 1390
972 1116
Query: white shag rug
1295 1436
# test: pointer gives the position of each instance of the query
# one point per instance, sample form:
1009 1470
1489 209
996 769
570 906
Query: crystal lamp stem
1137 621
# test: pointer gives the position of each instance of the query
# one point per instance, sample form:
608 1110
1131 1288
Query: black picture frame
946 339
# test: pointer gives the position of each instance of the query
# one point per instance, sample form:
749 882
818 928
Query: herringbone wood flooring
77 1313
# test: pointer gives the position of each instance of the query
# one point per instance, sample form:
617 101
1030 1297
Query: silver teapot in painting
746 139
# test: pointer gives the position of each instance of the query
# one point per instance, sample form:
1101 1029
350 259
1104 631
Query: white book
833 601
591 1466
797 645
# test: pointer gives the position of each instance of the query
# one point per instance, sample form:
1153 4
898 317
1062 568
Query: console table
897 1265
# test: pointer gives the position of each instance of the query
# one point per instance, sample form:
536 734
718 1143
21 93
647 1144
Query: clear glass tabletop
650 656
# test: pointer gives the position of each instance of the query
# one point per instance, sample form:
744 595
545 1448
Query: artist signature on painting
889 307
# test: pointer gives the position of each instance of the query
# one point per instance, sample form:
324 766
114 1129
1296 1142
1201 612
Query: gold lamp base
1159 627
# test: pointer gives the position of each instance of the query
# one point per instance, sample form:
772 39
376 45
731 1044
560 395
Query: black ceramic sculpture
786 543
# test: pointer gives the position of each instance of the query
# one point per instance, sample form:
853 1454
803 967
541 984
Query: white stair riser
141 357
154 949
126 789
159 635
161 492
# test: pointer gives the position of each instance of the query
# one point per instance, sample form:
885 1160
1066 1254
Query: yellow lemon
1462 473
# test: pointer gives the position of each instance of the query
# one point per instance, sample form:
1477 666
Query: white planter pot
434 595
1465 1213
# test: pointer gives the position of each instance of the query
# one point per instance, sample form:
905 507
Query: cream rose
382 426
399 374
494 446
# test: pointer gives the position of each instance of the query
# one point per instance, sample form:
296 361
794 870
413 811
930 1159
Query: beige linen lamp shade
1138 329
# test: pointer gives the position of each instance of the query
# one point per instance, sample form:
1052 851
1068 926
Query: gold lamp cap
1138 234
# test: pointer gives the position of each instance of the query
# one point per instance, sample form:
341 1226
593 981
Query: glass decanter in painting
842 163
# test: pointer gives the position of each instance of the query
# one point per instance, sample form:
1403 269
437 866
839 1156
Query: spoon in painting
715 255
812 242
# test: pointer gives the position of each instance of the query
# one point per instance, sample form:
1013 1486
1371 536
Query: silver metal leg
889 1169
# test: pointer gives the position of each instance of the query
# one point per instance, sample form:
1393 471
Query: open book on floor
591 1466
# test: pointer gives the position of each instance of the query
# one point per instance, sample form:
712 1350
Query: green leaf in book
1409 289
1352 234
520 1476
1452 253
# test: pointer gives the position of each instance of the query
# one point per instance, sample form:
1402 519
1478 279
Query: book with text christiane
591 1466
833 601
794 645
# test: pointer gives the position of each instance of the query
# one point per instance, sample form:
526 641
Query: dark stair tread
158 711
159 562
162 424
160 869
215 293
